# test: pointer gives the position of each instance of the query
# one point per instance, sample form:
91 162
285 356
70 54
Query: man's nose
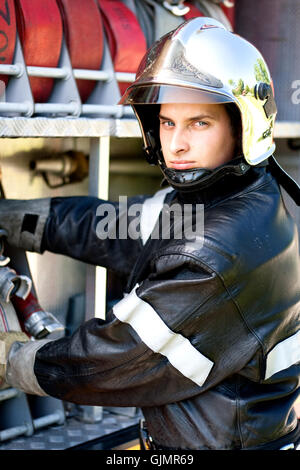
179 142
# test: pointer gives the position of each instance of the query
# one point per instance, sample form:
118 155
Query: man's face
195 135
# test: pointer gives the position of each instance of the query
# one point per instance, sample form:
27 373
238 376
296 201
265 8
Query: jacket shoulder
239 232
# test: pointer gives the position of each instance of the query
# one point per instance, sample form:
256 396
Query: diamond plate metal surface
68 127
72 433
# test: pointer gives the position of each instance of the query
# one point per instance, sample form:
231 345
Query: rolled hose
40 29
126 40
83 31
8 30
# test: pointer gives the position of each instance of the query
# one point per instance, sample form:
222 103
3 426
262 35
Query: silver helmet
203 62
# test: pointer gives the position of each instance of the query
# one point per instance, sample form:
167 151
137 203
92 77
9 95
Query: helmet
202 62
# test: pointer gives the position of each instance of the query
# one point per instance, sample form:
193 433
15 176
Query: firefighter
206 339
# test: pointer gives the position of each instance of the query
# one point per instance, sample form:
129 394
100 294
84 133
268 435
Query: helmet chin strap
195 179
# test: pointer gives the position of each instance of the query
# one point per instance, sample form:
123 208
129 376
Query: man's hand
6 341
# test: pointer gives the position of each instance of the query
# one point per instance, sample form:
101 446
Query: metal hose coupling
36 321
12 283
17 289
176 7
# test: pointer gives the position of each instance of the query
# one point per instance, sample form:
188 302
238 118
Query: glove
24 221
6 341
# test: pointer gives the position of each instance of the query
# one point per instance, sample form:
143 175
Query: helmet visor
150 94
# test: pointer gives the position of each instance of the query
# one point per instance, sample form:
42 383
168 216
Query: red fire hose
193 13
125 37
40 28
84 37
7 34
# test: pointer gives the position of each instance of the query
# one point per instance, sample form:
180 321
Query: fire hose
86 26
16 291
193 12
7 34
19 307
125 37
40 29
84 37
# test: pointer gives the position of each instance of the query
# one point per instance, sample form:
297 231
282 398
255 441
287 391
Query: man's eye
200 123
167 123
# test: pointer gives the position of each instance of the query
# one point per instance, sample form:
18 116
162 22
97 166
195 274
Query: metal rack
22 415
64 115
64 99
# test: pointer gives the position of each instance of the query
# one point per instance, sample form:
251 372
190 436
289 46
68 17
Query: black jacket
206 339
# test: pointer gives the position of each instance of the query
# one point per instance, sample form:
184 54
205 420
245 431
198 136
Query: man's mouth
182 164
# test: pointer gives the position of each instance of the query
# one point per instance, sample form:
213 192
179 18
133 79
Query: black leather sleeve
176 335
79 227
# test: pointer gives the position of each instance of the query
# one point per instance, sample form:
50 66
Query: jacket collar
227 187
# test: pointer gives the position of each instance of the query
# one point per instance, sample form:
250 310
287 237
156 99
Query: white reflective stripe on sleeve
150 212
283 355
160 339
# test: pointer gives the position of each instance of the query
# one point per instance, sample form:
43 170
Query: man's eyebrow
164 118
192 118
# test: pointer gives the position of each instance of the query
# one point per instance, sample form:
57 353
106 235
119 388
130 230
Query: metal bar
100 75
48 108
103 168
96 276
8 393
127 111
98 187
103 75
22 108
12 69
64 72
114 110
82 74
48 72
16 431
125 77
47 420
73 108
106 109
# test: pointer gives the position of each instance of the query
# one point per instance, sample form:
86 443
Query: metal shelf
67 127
